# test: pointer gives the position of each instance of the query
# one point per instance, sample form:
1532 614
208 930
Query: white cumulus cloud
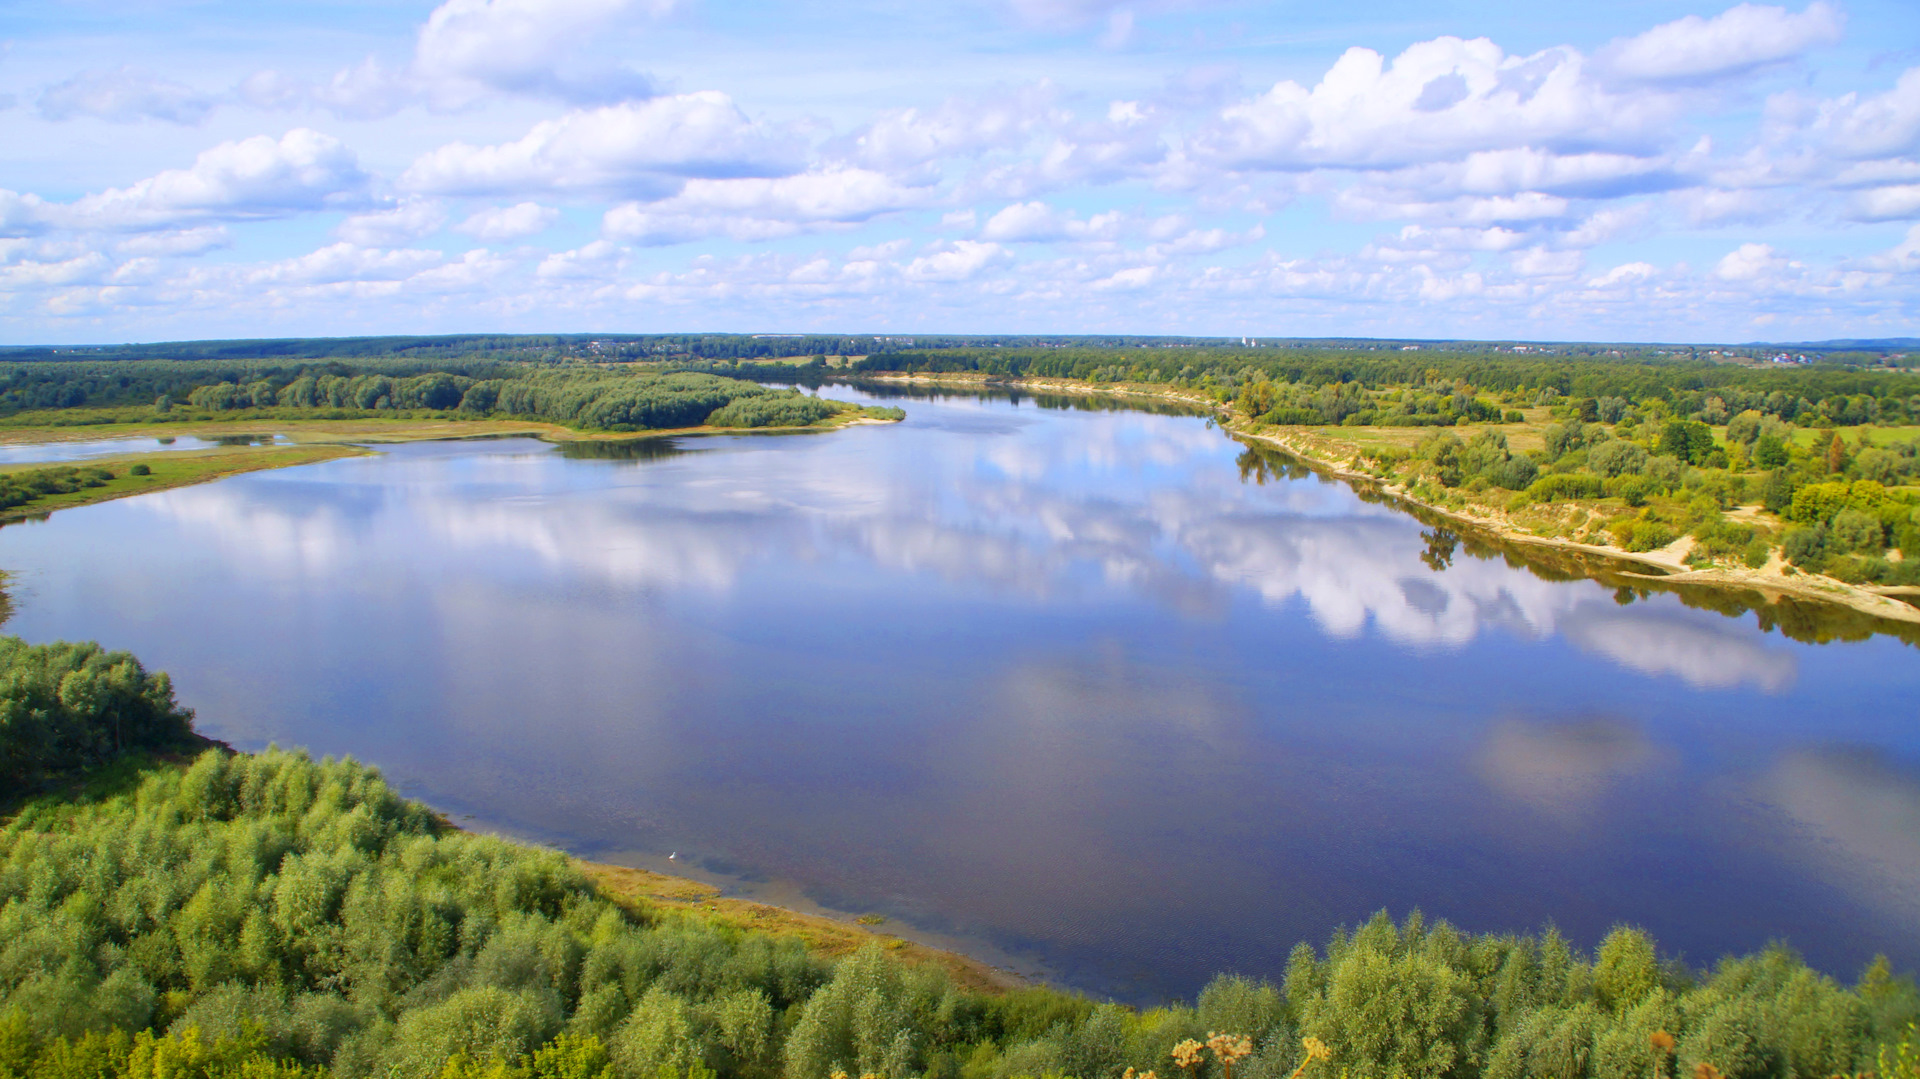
410 220
644 148
1738 39
1438 100
762 208
1037 222
514 222
259 177
528 46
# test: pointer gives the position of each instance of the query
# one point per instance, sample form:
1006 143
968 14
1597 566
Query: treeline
270 915
65 707
115 384
624 399
1297 379
547 348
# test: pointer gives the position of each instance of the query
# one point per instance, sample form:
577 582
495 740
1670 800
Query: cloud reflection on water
1863 811
1567 768
1137 505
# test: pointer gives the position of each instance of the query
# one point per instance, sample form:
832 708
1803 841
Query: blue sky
1638 170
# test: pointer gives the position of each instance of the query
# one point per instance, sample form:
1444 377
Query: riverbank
182 468
639 890
1318 449
369 431
312 441
1774 580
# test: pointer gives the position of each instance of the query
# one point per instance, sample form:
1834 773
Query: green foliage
780 408
306 900
20 488
611 399
1687 441
66 706
273 917
1565 485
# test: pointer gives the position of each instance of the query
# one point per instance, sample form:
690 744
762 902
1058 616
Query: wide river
1088 692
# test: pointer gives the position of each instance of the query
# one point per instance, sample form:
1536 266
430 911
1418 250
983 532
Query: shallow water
1094 689
60 452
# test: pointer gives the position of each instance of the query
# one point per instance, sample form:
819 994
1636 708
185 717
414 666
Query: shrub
1566 485
140 470
1641 534
1617 458
785 409
1854 530
1805 546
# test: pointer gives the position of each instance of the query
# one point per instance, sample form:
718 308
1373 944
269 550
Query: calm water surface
1064 684
61 452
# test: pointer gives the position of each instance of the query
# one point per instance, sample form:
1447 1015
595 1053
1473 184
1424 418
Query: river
1098 694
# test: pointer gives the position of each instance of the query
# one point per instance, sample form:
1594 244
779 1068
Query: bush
20 488
1633 490
1641 534
140 470
1855 530
1566 485
789 408
1805 546
1617 458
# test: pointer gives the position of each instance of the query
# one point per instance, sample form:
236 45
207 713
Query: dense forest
270 915
620 399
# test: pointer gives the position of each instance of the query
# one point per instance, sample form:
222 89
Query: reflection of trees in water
1259 464
1807 621
1440 547
1066 402
623 449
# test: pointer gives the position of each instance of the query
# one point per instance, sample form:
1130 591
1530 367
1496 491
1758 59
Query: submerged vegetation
270 915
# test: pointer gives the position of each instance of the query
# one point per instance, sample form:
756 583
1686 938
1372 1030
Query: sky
1640 170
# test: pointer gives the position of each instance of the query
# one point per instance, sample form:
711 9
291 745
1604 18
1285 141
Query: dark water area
1095 689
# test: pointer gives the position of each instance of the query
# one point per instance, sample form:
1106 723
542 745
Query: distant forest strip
268 915
618 347
623 399
1221 372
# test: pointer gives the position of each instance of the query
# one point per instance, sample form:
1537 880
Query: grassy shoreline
313 441
635 889
168 470
1322 451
